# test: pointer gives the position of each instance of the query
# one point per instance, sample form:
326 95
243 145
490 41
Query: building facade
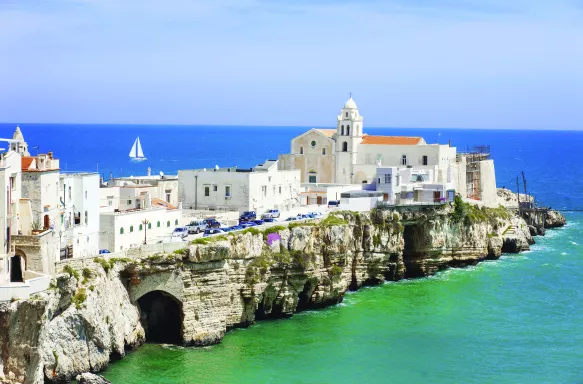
260 188
164 187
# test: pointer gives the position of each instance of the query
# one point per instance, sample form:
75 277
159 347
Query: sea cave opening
161 317
412 256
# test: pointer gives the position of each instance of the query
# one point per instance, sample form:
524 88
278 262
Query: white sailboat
136 152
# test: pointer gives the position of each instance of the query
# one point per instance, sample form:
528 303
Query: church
347 155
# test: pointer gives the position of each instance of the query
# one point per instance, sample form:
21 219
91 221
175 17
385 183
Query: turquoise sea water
514 320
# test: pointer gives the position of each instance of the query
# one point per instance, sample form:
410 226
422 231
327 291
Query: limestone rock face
90 378
555 220
232 281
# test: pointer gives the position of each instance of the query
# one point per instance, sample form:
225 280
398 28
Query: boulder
90 378
555 219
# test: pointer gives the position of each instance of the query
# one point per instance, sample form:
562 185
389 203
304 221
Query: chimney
50 155
449 143
149 171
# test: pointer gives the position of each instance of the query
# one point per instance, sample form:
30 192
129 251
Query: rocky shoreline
92 316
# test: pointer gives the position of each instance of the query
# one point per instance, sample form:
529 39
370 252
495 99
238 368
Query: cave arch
161 316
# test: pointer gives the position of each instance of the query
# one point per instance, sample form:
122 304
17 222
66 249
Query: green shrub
295 224
257 268
71 271
79 298
251 230
200 241
180 251
335 271
333 220
104 264
56 356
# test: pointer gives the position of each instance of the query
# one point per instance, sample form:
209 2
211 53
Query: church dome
18 134
350 104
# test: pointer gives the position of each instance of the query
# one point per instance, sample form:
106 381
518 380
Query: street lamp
145 222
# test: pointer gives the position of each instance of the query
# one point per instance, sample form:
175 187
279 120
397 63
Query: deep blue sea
514 320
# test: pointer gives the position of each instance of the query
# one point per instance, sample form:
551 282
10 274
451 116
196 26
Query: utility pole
526 193
518 188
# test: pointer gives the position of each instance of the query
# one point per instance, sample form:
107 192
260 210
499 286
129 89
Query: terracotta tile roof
327 132
26 162
391 140
161 203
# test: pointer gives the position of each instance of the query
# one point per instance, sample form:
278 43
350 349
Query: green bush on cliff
333 220
257 268
251 230
472 214
72 272
180 252
104 264
335 271
295 224
79 298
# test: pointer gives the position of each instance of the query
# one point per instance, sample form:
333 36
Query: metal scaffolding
473 158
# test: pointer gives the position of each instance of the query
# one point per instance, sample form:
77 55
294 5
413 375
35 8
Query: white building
260 188
17 281
130 216
79 215
347 155
165 187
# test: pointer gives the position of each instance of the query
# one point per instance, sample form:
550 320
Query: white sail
133 150
140 152
136 153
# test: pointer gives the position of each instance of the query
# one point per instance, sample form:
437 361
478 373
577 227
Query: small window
85 194
348 130
158 225
301 150
323 151
387 179
227 191
345 147
379 180
280 189
129 202
131 228
215 188
313 143
86 218
149 225
207 191
168 223
404 160
141 227
121 231
176 222
342 130
69 193
346 114
424 160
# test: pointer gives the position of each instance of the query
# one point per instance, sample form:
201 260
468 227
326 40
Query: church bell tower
348 138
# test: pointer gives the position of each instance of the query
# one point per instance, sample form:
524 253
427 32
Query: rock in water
90 378
555 219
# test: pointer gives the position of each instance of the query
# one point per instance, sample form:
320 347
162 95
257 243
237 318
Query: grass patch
333 220
180 251
251 230
257 268
295 224
104 264
472 214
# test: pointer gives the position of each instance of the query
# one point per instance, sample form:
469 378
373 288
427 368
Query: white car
172 239
180 232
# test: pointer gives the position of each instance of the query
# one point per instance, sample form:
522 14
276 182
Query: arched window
158 225
312 176
313 143
141 227
323 151
121 231
342 130
346 114
301 150
345 147
149 225
348 130
168 223
131 228
176 222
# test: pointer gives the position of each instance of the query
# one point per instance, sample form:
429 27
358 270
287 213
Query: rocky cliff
91 316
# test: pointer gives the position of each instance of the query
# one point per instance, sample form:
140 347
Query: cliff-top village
51 216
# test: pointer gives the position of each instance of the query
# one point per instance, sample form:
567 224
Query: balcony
33 283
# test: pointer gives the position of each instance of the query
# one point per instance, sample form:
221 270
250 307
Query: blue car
237 227
103 251
269 220
212 231
258 221
248 224
293 218
227 229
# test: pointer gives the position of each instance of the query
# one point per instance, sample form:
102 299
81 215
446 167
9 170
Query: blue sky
408 63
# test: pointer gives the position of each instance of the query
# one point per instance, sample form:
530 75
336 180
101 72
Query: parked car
227 229
333 203
180 232
259 221
247 224
196 226
302 216
212 223
274 213
237 227
248 216
269 220
315 215
212 231
293 218
103 251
